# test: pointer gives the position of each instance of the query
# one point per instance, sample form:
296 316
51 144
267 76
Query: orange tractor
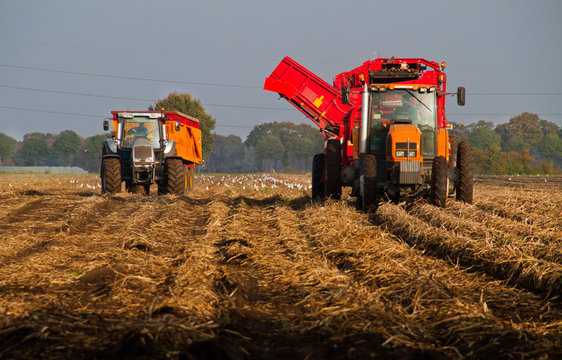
385 129
149 147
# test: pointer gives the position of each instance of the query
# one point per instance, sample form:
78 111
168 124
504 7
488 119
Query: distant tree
34 151
292 137
460 130
66 146
191 106
550 147
228 154
304 149
257 133
269 148
526 126
481 124
93 151
484 138
516 144
548 127
7 146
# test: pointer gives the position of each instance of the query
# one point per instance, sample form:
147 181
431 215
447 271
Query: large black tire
439 174
465 171
332 181
369 192
175 176
318 162
110 176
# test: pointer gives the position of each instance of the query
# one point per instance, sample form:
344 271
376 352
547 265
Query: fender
109 147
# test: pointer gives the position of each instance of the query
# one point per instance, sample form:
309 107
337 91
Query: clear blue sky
65 64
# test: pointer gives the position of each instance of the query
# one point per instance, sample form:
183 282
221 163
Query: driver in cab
140 130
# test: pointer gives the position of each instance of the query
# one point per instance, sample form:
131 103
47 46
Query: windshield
403 104
141 126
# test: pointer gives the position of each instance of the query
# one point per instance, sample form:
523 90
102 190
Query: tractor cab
403 106
141 127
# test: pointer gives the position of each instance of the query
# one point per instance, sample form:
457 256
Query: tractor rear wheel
110 176
318 162
439 175
175 179
465 167
332 181
369 192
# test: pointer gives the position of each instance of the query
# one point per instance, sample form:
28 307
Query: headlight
402 153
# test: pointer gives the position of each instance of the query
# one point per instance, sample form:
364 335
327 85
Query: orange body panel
443 145
188 141
403 133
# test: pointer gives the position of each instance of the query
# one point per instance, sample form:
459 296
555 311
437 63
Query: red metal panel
317 99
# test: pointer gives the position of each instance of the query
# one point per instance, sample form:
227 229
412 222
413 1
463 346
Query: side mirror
345 94
177 126
461 96
105 125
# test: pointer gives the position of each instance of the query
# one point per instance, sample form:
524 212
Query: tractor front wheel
110 176
439 174
465 167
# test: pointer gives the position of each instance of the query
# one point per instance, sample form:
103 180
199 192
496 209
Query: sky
66 64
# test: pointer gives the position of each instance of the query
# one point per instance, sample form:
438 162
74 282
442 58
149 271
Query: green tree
292 136
550 147
460 130
525 126
92 151
484 138
34 151
7 146
66 146
304 149
269 148
548 127
481 124
191 106
516 144
228 154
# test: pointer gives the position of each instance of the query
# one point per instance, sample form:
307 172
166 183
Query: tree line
524 145
277 146
64 149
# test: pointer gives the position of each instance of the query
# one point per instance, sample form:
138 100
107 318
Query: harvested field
247 267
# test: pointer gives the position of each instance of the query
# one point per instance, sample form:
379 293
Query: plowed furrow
484 232
527 232
425 293
503 263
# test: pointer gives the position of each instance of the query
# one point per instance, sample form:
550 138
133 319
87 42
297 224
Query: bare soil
247 267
